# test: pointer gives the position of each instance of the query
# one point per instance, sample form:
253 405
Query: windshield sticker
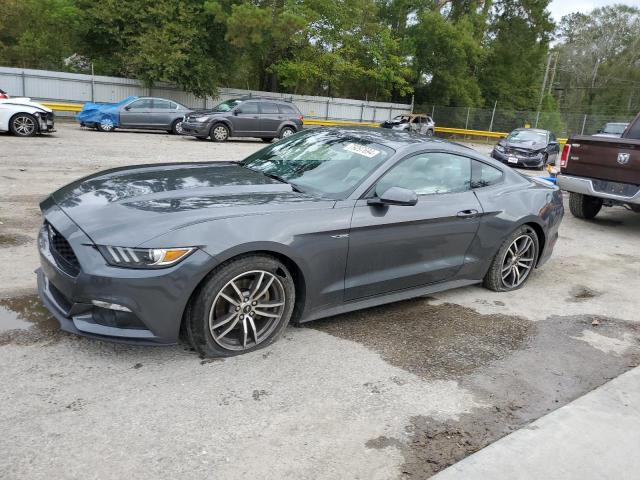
361 150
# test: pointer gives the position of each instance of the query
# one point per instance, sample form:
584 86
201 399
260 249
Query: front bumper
196 129
600 189
46 123
517 159
156 299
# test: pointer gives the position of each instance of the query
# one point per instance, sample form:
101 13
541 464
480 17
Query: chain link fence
563 124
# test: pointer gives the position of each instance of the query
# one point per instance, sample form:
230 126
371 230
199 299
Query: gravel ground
399 391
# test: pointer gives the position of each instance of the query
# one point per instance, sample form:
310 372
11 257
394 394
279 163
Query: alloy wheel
220 133
106 124
24 125
287 132
518 261
179 130
246 310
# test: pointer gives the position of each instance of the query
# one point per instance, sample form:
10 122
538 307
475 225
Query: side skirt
369 302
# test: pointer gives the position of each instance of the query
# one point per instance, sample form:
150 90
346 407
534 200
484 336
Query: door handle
468 213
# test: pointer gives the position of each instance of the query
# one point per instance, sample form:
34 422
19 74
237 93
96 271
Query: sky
559 8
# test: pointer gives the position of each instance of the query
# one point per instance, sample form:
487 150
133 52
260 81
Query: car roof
539 130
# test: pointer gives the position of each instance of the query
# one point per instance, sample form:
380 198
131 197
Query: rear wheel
584 206
514 261
286 132
220 133
23 125
429 133
105 125
176 127
244 305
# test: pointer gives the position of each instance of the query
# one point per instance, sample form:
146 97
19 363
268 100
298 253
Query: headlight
201 119
143 257
500 148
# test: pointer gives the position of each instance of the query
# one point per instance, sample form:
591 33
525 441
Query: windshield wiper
294 187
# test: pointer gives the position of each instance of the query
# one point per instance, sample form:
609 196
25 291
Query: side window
485 175
268 107
173 105
552 137
142 103
633 130
429 173
249 107
288 109
157 103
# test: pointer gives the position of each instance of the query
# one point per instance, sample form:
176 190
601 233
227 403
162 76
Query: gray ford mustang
323 222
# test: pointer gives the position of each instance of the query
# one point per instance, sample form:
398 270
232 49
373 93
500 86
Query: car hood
26 102
526 146
131 205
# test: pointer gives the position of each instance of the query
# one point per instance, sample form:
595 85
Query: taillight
301 117
564 158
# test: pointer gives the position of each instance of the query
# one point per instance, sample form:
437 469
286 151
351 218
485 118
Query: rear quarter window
268 107
288 109
484 175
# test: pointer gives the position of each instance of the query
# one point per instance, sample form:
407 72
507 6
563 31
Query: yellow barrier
76 107
63 107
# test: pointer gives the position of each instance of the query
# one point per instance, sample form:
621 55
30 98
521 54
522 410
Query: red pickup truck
602 171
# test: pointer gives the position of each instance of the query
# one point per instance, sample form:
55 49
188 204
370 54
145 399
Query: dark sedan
323 222
528 147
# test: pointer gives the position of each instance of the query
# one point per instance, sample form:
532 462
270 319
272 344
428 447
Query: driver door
137 114
397 247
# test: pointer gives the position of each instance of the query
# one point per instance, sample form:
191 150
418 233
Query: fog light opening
110 306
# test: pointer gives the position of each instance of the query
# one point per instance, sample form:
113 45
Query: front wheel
220 133
23 125
514 261
105 125
245 304
584 206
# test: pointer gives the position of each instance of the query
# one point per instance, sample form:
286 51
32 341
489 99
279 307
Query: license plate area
512 159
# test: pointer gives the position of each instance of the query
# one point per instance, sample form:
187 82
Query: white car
25 118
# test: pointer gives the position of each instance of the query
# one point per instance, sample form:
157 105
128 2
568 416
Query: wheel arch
294 268
542 238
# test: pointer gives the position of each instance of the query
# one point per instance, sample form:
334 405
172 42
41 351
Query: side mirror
237 111
599 130
127 108
553 142
395 196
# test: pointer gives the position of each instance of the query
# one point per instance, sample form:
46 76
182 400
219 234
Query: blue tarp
92 113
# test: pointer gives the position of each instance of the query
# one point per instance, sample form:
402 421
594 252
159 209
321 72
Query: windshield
527 136
226 106
617 128
327 163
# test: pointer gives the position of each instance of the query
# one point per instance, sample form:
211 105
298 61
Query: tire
498 278
286 132
267 140
23 125
219 133
176 127
429 133
105 125
241 327
545 159
584 206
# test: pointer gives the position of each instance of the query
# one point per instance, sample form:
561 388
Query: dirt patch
13 239
432 341
25 321
580 293
521 370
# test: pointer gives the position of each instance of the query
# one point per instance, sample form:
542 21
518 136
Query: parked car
3 94
602 171
527 147
414 122
612 130
25 118
149 113
264 118
324 222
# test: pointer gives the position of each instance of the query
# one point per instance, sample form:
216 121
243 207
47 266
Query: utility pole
542 89
553 73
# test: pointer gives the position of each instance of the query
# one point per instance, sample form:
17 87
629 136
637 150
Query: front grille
62 252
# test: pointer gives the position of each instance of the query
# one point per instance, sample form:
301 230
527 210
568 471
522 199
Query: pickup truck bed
602 171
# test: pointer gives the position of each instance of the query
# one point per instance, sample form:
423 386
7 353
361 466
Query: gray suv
245 117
